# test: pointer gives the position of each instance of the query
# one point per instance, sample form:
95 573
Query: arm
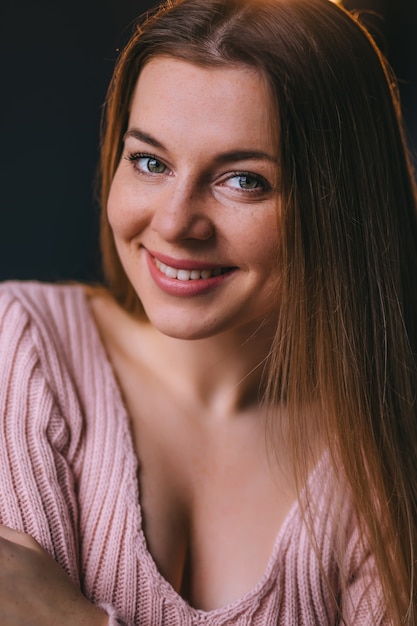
38 493
32 584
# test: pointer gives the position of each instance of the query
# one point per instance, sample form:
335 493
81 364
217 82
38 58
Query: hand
35 591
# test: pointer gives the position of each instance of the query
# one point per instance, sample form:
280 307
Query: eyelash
264 185
136 156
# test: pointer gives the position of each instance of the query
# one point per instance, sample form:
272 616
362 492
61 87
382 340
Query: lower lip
185 288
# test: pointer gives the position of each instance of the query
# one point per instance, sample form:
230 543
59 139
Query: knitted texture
68 477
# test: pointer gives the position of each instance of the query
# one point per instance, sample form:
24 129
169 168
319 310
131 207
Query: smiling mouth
184 275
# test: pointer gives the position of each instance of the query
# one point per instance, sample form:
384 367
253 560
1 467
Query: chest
211 503
211 500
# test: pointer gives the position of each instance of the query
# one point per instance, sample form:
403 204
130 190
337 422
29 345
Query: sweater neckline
133 504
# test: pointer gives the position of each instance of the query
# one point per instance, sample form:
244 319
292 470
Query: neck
223 373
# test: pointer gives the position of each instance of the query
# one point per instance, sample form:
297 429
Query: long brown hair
347 328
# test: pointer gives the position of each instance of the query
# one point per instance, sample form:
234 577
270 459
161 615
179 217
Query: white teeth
172 272
183 275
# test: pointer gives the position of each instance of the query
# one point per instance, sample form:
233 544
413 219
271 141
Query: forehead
176 96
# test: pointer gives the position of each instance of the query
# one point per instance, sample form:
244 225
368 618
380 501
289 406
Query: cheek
126 216
262 242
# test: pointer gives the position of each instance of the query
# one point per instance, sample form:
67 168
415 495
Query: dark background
56 61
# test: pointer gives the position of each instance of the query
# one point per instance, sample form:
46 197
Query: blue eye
147 163
153 165
247 182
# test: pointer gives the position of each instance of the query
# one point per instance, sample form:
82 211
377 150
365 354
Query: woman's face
194 203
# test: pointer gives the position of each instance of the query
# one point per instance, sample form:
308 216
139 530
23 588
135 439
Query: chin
195 327
185 332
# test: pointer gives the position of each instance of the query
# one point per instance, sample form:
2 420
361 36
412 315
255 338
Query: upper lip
185 264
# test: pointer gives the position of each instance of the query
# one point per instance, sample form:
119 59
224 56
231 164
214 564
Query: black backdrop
56 60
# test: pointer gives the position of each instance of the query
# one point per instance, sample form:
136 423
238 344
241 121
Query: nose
182 213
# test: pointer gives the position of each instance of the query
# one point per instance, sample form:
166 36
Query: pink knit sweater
68 477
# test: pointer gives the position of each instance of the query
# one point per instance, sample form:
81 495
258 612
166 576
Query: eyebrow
225 157
144 137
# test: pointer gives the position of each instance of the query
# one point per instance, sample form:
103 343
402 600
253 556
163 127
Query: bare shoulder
123 335
108 314
98 294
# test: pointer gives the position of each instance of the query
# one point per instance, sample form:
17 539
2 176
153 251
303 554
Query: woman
260 244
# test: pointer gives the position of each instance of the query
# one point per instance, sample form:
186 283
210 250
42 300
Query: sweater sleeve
363 603
41 431
37 485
